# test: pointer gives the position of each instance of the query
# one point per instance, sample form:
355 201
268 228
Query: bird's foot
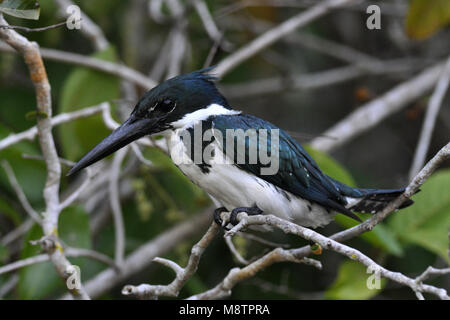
251 211
218 218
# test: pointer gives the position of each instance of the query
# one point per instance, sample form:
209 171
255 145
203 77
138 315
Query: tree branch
182 274
430 119
273 35
369 115
116 69
38 75
53 26
144 255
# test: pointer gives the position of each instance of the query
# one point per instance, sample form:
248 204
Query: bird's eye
165 105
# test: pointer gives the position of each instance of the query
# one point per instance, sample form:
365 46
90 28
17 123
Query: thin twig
116 69
89 28
20 194
70 252
142 257
31 133
235 252
9 285
210 26
53 26
276 33
182 274
114 199
17 232
430 119
370 114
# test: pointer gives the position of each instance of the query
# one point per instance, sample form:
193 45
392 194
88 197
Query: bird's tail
369 200
375 200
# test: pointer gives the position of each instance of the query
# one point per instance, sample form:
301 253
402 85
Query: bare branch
369 115
31 133
430 120
75 194
24 263
142 257
237 275
432 272
412 188
89 28
326 243
114 199
70 252
116 69
95 255
182 274
276 33
53 26
210 26
38 75
235 252
262 240
9 285
17 232
309 81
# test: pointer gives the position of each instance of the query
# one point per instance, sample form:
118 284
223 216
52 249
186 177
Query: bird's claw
218 218
233 218
251 211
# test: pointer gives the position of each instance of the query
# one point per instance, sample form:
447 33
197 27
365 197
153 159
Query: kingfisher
189 106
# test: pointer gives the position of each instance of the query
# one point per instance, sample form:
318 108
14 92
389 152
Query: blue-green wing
298 173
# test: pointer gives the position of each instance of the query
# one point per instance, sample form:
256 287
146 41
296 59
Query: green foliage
427 222
426 17
8 211
23 169
85 88
4 252
41 280
25 9
381 236
351 283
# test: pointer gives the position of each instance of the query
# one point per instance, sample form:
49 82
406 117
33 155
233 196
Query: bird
189 106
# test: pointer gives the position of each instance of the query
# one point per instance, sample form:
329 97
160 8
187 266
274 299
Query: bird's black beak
130 130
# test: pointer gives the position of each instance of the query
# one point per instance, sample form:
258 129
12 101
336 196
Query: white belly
232 187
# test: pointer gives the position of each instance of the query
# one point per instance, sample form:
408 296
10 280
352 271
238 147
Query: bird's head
175 103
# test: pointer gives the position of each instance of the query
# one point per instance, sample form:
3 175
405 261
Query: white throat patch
192 118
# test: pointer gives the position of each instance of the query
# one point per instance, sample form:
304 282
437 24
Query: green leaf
25 9
8 211
85 88
381 237
426 17
4 253
427 222
23 169
352 283
41 280
74 227
328 165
